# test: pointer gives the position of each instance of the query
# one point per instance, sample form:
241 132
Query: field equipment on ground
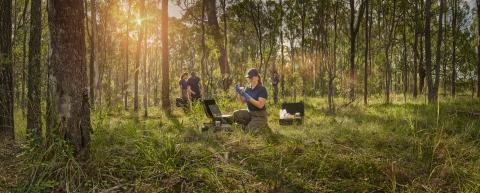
218 120
292 113
180 102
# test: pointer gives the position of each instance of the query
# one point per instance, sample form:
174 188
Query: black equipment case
180 102
293 108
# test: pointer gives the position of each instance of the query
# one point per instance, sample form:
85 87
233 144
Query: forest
239 96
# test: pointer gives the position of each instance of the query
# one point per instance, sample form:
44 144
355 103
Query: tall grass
386 148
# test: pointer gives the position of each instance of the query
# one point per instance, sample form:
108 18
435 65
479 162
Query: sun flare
138 21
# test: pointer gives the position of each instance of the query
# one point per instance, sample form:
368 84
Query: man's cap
252 72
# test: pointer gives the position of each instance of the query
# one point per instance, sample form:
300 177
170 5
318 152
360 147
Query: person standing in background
183 85
275 79
195 87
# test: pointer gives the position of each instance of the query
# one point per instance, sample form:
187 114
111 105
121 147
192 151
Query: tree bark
302 31
93 51
428 50
138 55
34 123
388 65
204 49
454 49
444 61
354 28
145 83
24 63
478 48
127 53
165 65
282 73
69 78
225 32
7 130
421 67
367 48
404 57
433 94
415 64
332 69
219 42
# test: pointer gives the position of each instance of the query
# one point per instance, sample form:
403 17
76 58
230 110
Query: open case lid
293 108
211 108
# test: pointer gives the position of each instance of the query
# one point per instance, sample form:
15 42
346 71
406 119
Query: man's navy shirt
183 84
194 82
255 93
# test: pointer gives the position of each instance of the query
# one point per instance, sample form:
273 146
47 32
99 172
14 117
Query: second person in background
195 87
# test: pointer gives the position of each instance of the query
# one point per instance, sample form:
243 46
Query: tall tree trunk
204 50
93 58
444 61
145 83
165 65
24 74
137 58
478 48
24 64
69 78
34 124
303 18
388 64
367 48
454 49
127 53
433 95
352 50
225 32
422 63
282 73
107 85
292 59
415 64
354 28
217 36
103 68
332 68
404 57
6 72
428 50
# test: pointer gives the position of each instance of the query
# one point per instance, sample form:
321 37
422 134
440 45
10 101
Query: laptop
213 112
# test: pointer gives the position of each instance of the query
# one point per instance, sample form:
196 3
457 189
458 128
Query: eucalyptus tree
433 94
34 112
356 14
428 50
6 72
68 81
478 48
165 59
215 31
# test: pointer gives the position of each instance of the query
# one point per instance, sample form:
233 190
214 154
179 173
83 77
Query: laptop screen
215 110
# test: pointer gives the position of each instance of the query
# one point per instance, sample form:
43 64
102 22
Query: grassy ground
381 148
